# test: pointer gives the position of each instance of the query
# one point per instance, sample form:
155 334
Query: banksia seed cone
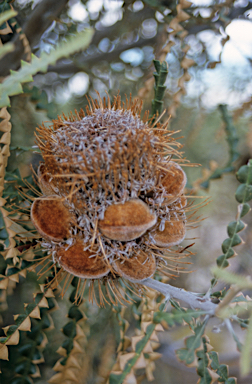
112 199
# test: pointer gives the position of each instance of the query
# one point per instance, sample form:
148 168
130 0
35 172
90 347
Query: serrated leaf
188 354
13 339
25 325
6 48
35 313
70 329
75 313
119 378
12 84
4 354
116 378
177 317
5 16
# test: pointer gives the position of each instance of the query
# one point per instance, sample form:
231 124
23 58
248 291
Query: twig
180 294
227 299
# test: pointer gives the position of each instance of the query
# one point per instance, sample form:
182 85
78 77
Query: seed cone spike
128 221
51 218
173 234
81 263
108 191
174 181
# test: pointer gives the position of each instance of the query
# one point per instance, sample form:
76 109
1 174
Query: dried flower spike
117 203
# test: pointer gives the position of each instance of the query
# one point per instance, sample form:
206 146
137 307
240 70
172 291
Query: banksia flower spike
112 199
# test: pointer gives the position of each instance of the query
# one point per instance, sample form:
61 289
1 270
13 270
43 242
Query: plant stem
180 294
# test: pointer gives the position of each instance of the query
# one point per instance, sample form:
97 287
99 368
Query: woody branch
190 298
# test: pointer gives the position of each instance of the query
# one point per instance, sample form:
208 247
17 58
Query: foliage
49 60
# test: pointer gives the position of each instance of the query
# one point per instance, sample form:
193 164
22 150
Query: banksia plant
103 218
112 201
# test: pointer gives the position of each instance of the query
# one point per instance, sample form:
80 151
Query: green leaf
4 235
177 317
119 378
11 330
244 209
215 360
234 227
188 354
41 101
68 345
244 175
70 329
228 243
21 380
12 84
232 278
116 378
203 363
221 370
20 231
160 77
231 380
75 313
232 137
222 261
21 148
243 193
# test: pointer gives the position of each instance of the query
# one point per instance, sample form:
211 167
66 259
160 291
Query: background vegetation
52 54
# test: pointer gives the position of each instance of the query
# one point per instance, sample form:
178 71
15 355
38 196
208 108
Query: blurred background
208 47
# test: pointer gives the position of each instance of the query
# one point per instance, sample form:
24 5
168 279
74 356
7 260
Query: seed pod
51 218
174 181
128 221
180 203
173 234
136 268
43 179
81 263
